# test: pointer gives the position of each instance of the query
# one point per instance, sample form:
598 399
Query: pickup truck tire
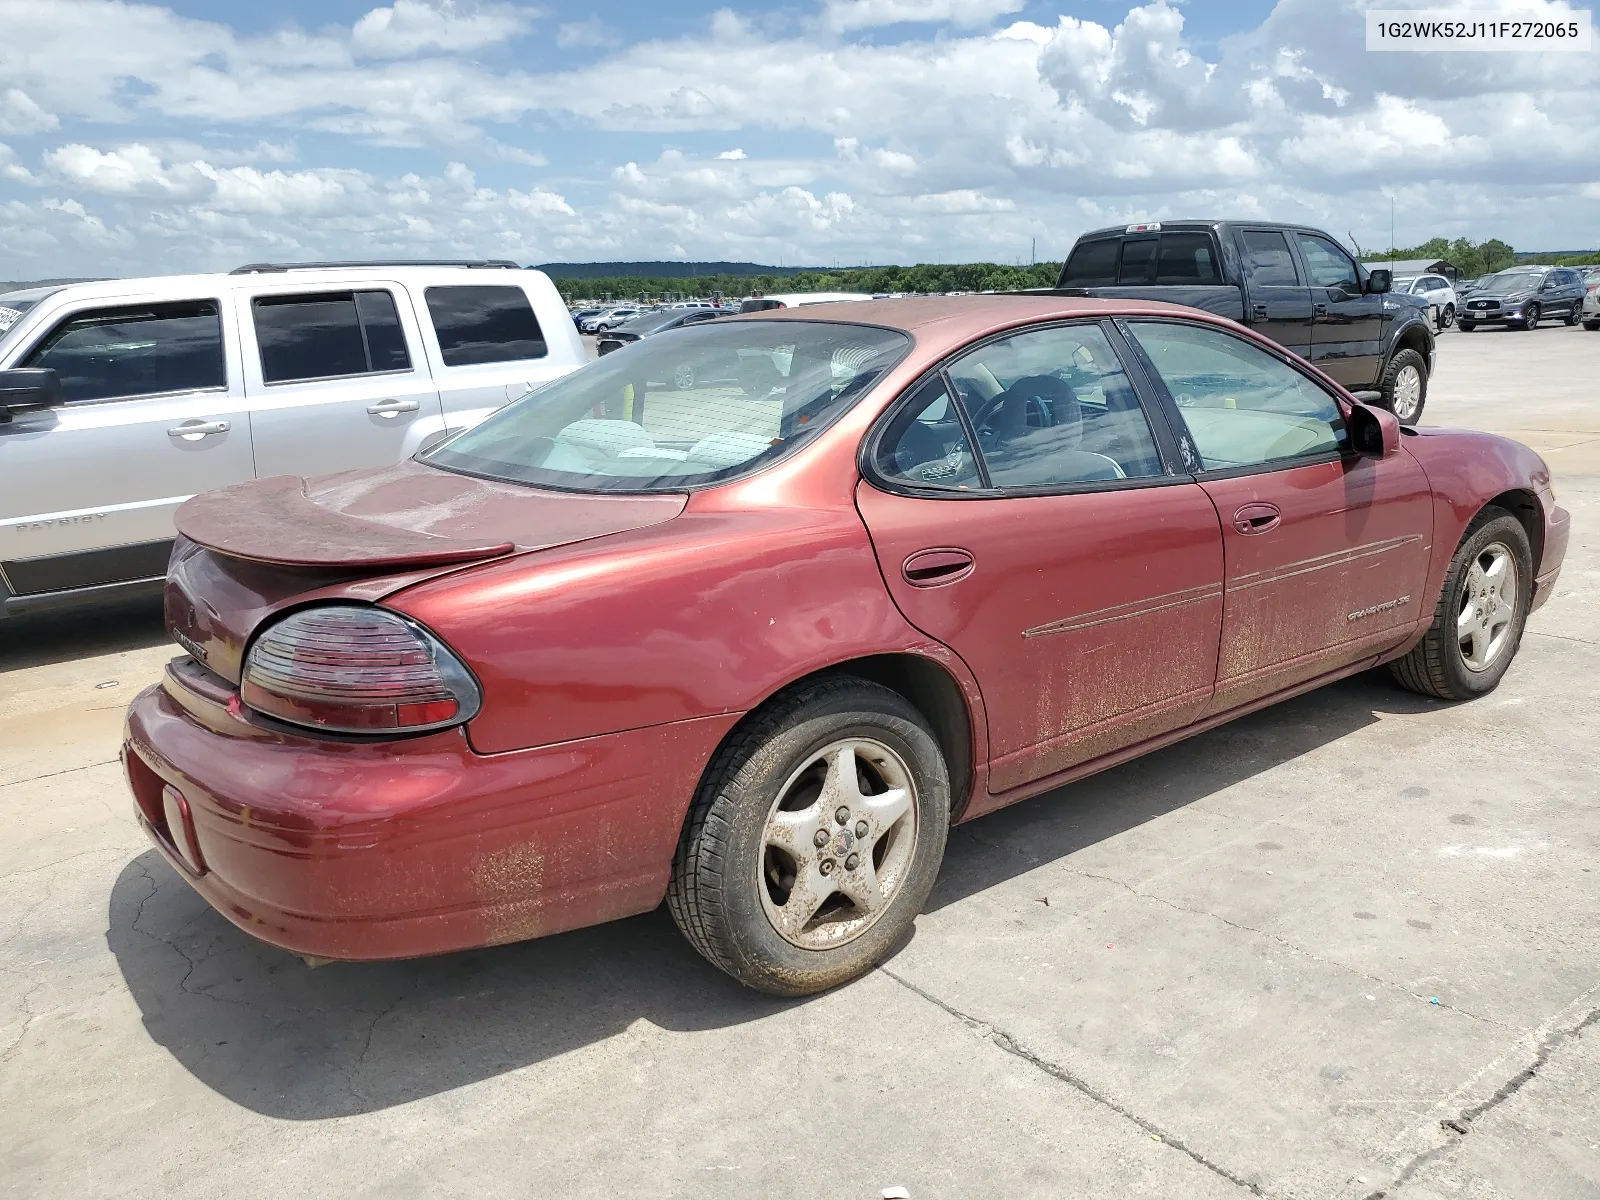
1404 387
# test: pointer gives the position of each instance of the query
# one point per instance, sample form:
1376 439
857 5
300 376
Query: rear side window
328 335
1266 254
1187 258
140 350
1093 264
484 325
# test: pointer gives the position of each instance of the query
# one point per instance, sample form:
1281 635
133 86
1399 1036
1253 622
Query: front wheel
1404 388
814 840
1467 326
1530 317
1591 326
1478 621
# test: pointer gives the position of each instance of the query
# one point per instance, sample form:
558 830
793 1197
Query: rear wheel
815 839
1448 317
1404 388
1478 621
1572 313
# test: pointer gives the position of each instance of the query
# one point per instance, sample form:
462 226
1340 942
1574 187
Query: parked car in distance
609 318
1523 296
755 648
122 398
580 315
647 324
1436 291
1293 283
798 300
1591 300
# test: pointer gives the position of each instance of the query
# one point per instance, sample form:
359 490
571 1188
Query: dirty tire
1402 360
1436 666
715 891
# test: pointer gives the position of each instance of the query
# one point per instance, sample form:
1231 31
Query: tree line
1475 258
924 278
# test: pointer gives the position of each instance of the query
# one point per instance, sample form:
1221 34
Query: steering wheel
1050 397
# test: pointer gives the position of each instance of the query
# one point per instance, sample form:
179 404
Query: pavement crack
1460 1125
366 1049
1291 946
1014 1046
63 771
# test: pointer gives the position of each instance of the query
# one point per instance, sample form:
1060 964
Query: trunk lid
247 551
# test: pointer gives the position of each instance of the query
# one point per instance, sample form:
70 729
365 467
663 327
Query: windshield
650 322
691 406
14 304
1507 280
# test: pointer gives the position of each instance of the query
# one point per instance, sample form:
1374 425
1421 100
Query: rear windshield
688 407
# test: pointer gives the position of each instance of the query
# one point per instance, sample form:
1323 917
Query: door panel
1347 326
1090 621
1279 300
1339 575
336 379
108 468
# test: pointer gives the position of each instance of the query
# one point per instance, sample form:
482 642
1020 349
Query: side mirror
1379 281
28 389
1374 432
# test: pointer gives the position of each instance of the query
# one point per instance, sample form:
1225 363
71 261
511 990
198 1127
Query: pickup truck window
139 350
484 325
1093 264
1268 259
1138 260
1242 406
328 335
1328 266
1187 258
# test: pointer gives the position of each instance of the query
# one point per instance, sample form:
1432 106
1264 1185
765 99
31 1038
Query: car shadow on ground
44 638
257 1026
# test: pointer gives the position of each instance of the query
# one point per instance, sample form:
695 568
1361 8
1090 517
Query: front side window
326 335
1242 406
1052 407
1328 266
482 324
683 408
136 350
1268 260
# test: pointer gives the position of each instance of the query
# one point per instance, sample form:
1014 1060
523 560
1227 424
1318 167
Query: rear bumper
354 850
1557 532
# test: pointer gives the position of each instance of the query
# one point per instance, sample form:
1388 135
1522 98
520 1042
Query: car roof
954 320
219 281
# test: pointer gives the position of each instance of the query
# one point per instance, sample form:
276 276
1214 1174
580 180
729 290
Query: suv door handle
1259 517
193 431
942 564
388 408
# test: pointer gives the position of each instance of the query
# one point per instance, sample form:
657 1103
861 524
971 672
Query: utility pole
1033 253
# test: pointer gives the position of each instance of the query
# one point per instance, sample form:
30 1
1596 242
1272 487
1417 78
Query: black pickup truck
1294 284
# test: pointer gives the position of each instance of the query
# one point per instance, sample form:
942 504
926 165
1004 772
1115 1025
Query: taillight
351 668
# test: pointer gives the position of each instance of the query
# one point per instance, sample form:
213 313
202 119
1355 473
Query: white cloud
409 26
19 114
734 155
842 16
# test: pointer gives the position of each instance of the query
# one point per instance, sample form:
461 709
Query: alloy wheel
1530 316
1488 607
838 843
1407 393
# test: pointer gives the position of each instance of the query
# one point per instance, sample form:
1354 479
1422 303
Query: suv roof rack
266 268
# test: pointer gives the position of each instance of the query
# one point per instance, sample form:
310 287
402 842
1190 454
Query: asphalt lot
1280 959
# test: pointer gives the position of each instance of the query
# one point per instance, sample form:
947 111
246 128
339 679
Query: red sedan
746 615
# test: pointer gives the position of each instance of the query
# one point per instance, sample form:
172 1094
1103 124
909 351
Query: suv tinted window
327 335
1327 265
1267 256
485 325
1187 258
139 350
1243 407
1093 264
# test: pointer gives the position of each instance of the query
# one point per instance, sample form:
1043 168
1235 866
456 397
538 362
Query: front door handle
942 564
193 431
388 408
1259 517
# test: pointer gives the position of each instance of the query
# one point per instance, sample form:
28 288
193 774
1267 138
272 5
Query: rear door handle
1260 310
1320 310
1258 517
941 564
193 431
388 408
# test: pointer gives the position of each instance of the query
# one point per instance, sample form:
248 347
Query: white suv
121 399
1439 294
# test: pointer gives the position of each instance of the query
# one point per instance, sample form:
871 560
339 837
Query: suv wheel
814 840
1404 388
1530 317
1477 623
1448 317
1571 318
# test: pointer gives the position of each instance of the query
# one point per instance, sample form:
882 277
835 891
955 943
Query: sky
201 134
